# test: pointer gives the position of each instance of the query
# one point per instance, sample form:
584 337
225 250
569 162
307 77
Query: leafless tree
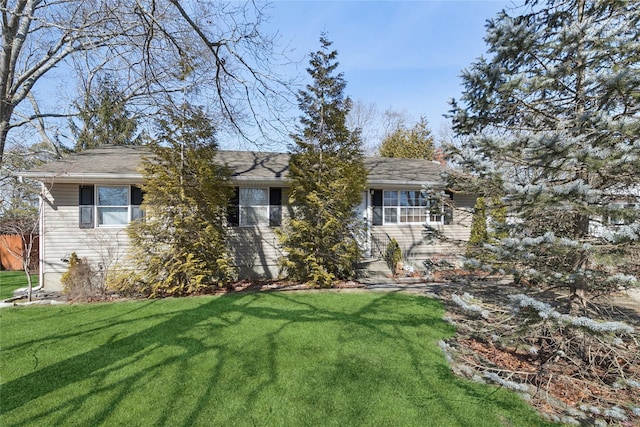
160 51
366 117
395 119
25 226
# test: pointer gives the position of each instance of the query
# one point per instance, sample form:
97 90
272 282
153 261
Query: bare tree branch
150 46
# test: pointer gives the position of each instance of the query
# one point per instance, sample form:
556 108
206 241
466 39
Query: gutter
80 177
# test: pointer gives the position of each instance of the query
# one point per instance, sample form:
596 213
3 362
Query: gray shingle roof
385 170
108 160
113 162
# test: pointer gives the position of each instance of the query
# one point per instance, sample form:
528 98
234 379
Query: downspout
40 239
367 222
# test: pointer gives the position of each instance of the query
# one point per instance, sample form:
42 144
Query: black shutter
136 195
376 203
275 207
86 195
136 200
85 204
233 210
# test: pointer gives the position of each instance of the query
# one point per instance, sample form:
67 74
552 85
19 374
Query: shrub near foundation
80 282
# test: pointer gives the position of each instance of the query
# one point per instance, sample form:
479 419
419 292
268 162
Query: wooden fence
10 250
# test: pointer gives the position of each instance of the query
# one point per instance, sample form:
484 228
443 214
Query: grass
266 359
12 280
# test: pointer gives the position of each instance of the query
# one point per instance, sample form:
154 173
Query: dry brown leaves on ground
568 373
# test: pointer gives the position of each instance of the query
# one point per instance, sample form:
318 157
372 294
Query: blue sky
403 55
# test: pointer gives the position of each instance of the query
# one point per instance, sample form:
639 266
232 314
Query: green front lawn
12 280
265 359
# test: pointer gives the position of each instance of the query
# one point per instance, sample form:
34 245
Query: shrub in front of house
80 282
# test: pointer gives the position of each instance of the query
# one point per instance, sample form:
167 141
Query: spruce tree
552 122
180 247
105 119
327 177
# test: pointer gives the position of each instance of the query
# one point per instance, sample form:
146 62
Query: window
111 205
256 206
408 207
391 207
412 207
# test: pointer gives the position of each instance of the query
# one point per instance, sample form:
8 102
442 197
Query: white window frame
245 207
125 208
90 214
405 214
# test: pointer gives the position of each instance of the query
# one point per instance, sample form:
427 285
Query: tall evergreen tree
409 143
327 177
181 246
553 124
104 119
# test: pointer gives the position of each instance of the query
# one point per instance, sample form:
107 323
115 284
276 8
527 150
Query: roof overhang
261 182
397 184
76 178
80 177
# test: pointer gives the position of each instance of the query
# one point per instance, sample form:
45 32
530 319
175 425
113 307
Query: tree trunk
577 300
4 131
577 290
27 246
29 284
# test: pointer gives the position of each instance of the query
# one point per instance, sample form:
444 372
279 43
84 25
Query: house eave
242 180
260 182
399 183
81 177
134 177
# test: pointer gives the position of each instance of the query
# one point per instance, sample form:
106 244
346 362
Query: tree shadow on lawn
59 314
171 336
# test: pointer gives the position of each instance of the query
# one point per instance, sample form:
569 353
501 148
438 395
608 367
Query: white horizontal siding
413 244
256 251
463 210
62 235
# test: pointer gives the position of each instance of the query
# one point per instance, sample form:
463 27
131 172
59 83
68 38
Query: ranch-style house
89 198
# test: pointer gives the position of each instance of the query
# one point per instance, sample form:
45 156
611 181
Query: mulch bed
564 389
